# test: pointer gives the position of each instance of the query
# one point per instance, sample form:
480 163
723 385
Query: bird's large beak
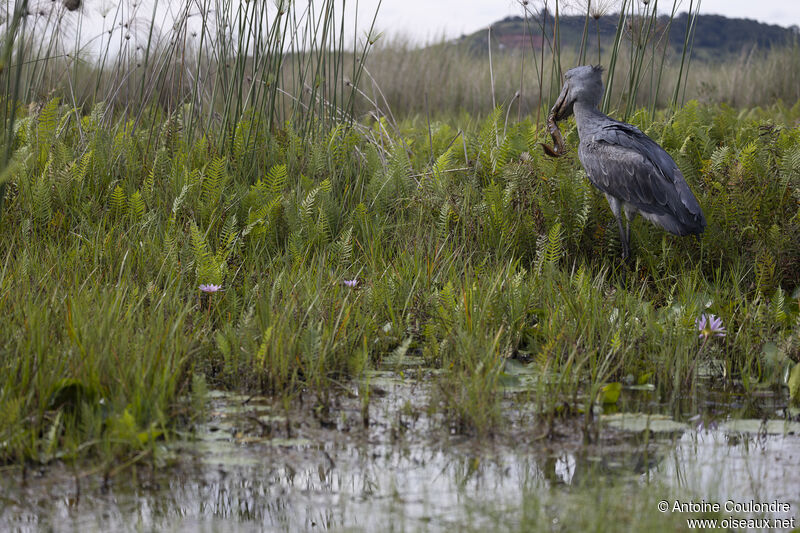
561 109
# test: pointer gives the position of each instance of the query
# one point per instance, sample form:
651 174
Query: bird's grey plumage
634 172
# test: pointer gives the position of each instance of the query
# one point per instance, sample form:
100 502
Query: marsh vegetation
255 204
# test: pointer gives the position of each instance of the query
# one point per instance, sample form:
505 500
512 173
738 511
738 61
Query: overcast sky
425 20
421 20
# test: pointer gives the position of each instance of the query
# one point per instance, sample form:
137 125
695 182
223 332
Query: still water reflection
240 471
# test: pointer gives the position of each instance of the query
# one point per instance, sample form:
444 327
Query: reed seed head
595 8
72 5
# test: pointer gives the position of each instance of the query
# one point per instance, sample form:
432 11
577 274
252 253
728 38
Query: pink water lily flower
710 326
210 288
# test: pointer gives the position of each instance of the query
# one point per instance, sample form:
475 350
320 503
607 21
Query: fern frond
208 268
720 159
136 206
118 202
297 248
765 272
778 309
318 164
200 250
308 205
42 200
81 168
441 165
502 154
213 182
344 246
170 241
276 179
445 215
585 199
323 228
178 202
48 121
555 242
228 240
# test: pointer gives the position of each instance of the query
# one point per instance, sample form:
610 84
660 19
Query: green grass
107 233
469 247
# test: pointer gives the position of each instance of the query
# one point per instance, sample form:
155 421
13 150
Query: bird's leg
623 237
630 214
628 233
617 209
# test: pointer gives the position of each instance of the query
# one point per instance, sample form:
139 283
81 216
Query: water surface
254 465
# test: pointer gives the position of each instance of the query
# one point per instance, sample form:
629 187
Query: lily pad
515 368
755 426
648 387
383 379
638 422
288 443
228 396
609 393
272 419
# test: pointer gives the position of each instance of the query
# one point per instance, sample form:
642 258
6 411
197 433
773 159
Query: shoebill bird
636 175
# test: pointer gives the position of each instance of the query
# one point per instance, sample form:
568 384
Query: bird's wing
623 162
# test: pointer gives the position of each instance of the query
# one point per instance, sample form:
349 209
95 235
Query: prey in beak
559 111
563 106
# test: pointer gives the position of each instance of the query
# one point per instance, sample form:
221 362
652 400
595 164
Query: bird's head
581 84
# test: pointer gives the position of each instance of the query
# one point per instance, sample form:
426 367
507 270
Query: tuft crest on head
581 84
584 71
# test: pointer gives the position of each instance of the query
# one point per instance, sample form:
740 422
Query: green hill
715 36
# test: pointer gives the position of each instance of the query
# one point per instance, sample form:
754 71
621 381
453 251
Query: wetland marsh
230 305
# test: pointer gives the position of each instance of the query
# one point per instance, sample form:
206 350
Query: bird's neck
585 115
